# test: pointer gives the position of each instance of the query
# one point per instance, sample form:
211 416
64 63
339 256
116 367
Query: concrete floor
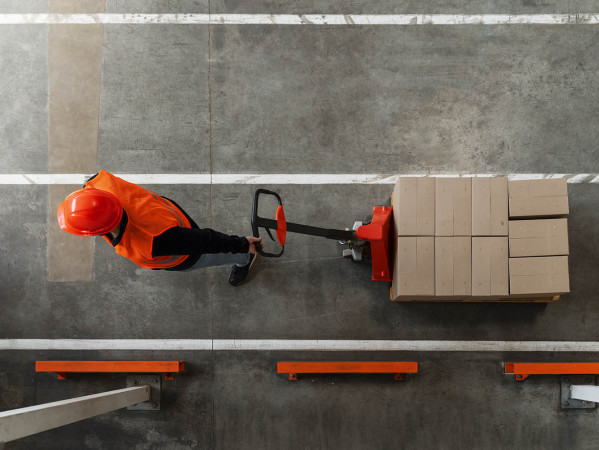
277 99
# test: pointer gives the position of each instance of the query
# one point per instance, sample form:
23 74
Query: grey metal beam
18 423
586 393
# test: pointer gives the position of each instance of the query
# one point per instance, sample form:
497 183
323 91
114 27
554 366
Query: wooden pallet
549 299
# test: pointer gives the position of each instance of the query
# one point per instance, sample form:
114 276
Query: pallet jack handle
278 224
377 234
282 226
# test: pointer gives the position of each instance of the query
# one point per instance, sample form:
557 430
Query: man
152 231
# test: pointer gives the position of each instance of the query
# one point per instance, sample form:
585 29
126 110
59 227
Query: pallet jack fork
363 239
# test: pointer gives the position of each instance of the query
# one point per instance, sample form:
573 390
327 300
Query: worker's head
90 212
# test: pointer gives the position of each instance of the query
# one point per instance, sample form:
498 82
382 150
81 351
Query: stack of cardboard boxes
479 239
538 233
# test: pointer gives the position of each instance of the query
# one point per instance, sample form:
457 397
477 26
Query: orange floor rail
397 368
524 370
61 368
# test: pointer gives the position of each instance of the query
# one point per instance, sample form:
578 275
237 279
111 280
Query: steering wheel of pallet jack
278 223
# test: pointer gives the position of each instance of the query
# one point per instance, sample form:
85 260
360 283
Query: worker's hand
253 241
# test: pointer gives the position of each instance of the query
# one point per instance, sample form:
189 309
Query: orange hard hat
89 212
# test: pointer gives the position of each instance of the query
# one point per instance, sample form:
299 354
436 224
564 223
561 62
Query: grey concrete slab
126 301
23 296
24 98
154 110
580 6
310 282
326 7
157 6
455 401
23 6
123 300
131 305
77 7
185 420
311 291
400 99
235 400
390 7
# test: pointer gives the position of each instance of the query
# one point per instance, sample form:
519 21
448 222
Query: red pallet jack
372 239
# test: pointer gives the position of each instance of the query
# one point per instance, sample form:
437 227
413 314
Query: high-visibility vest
149 215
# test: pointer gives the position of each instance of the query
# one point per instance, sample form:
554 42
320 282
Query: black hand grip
260 222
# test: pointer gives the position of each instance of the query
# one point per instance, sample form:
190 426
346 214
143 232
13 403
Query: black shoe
239 274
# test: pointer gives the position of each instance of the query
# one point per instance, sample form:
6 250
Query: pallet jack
363 240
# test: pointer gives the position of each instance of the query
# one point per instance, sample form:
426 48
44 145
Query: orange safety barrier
524 370
61 368
397 368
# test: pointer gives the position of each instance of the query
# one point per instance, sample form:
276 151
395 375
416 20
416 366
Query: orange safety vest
149 215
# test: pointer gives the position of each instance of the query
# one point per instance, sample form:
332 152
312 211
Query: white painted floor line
298 345
273 178
304 19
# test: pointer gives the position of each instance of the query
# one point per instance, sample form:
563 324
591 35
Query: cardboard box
453 268
539 275
453 207
490 266
542 237
414 206
414 268
489 206
538 198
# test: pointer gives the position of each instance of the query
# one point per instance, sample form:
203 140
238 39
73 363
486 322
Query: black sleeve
196 241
